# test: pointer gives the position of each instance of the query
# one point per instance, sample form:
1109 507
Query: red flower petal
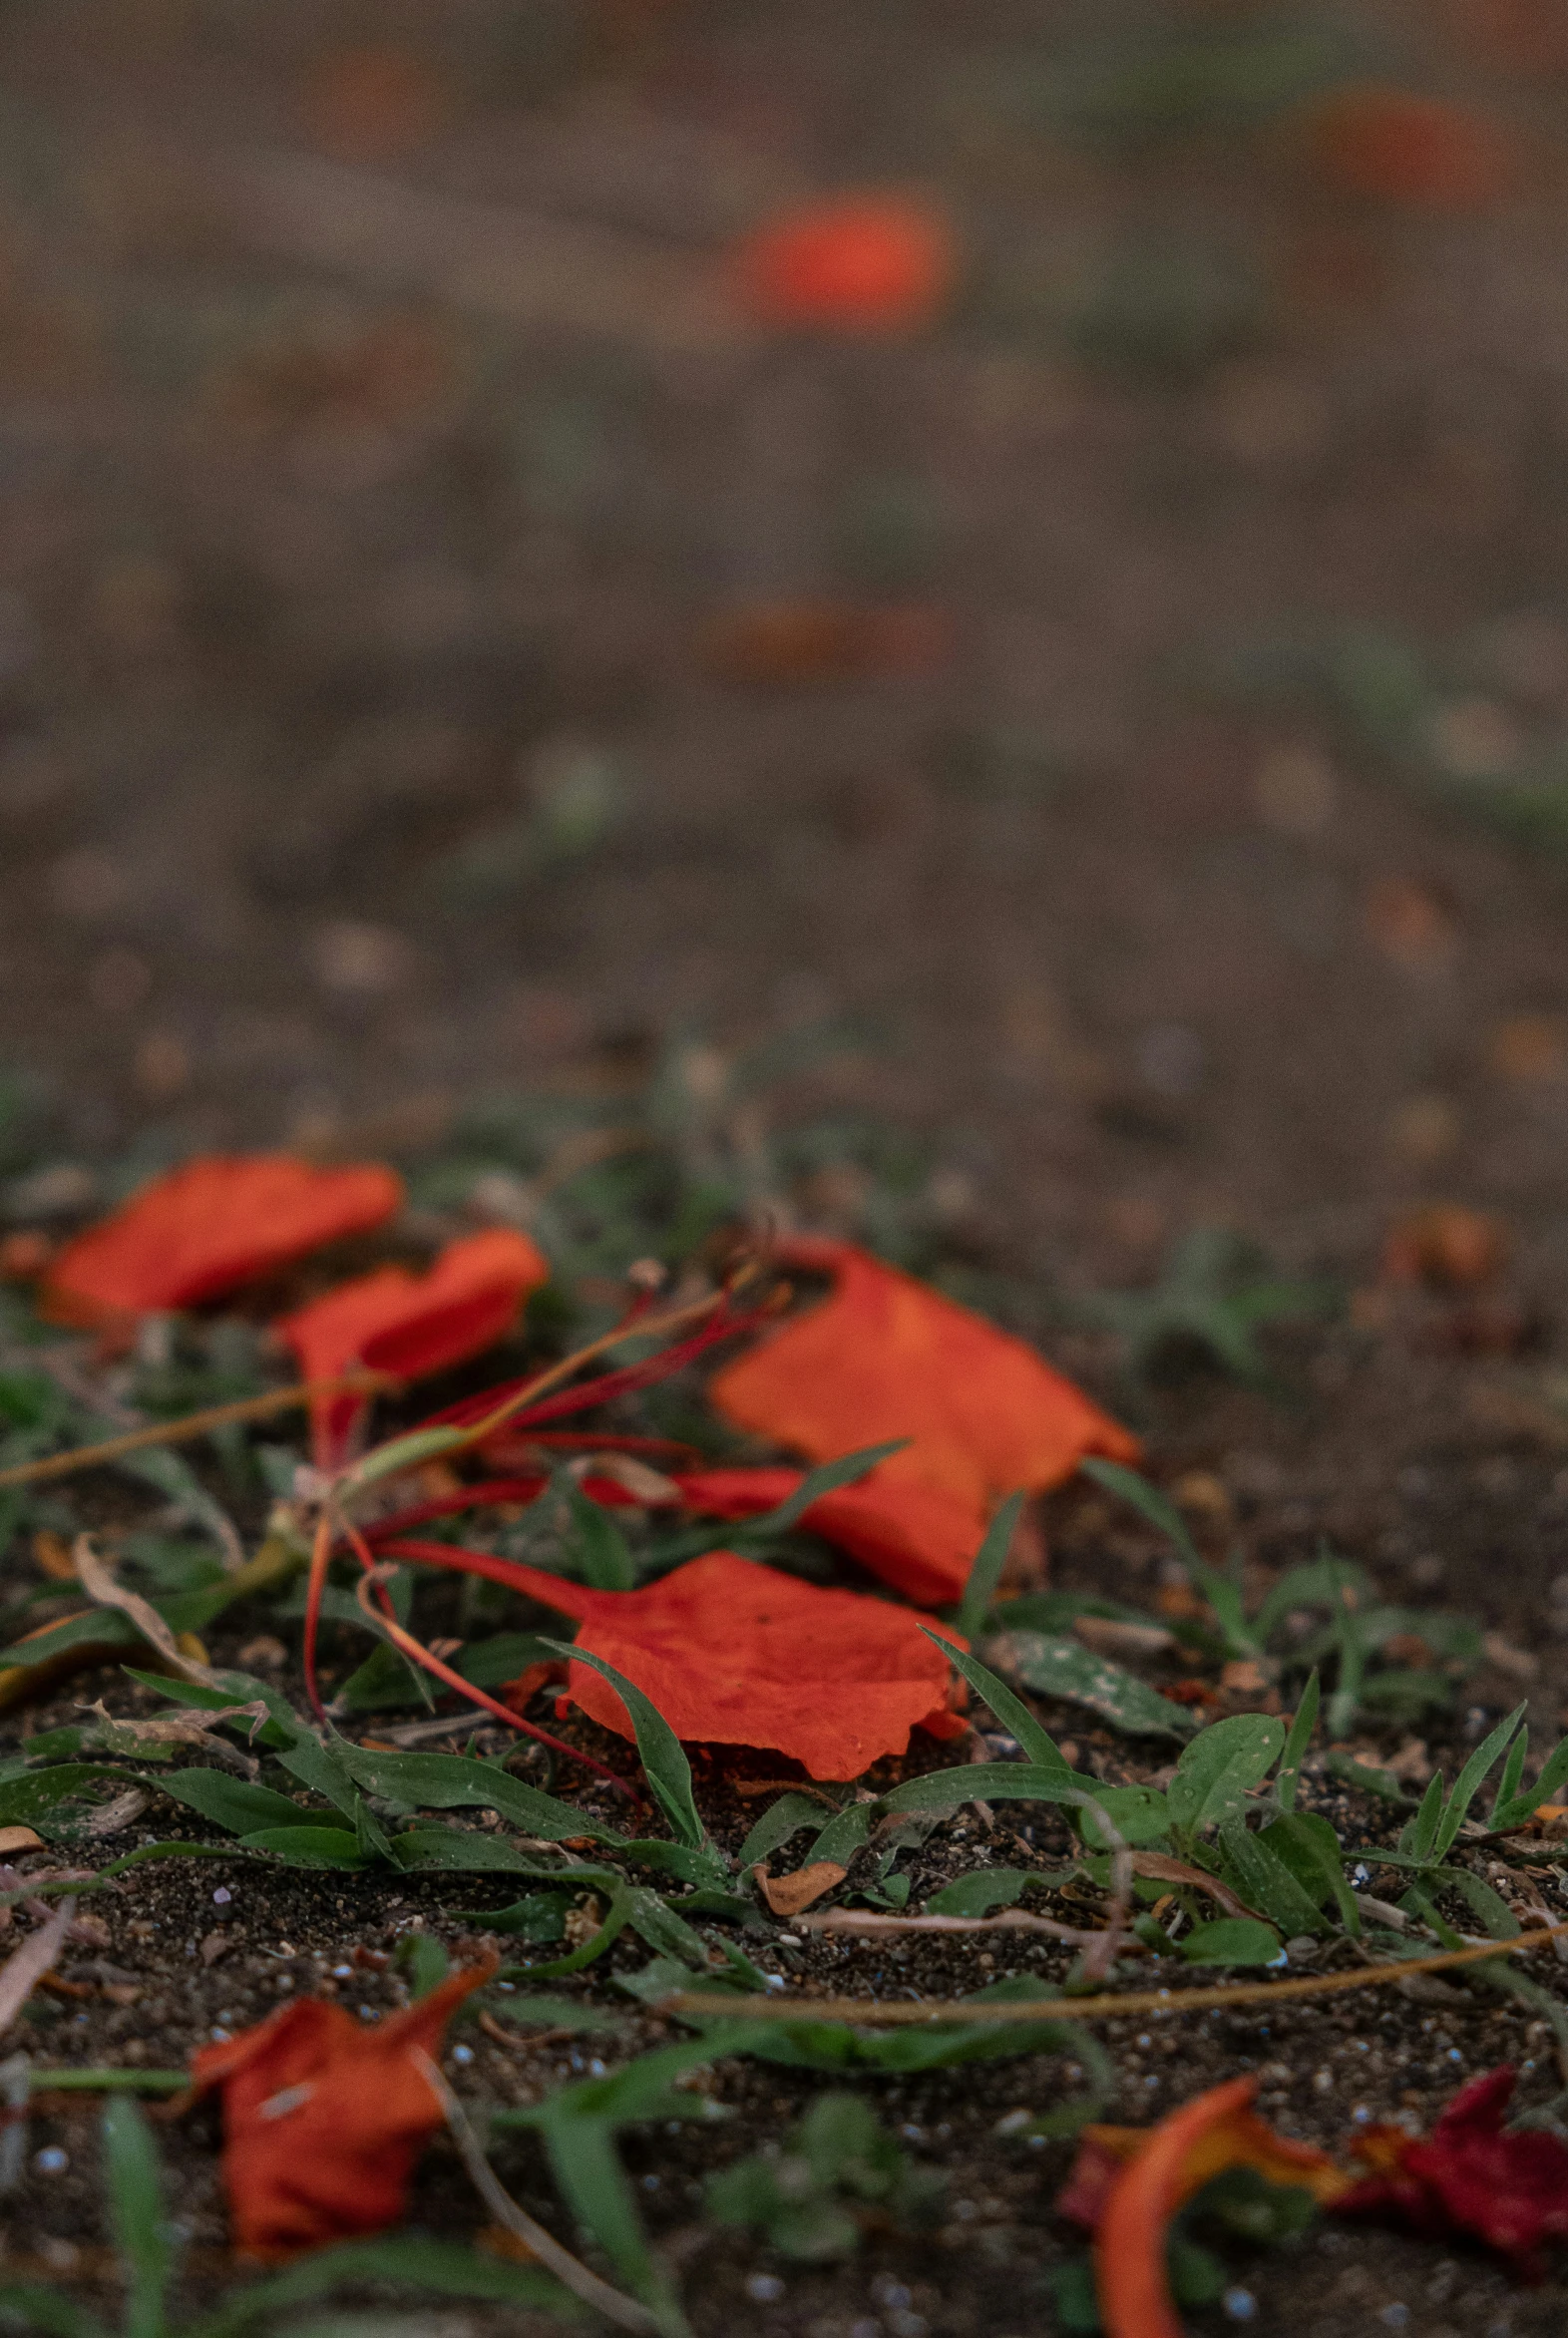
737 1654
868 262
885 1357
203 1229
1390 146
1469 2176
323 2116
918 1538
396 1322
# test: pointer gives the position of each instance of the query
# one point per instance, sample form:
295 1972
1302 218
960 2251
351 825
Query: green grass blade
1011 1710
667 1771
1288 1777
1468 1782
136 2212
985 1573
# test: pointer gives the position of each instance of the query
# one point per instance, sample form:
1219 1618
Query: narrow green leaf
595 2187
136 2213
24 1799
308 1847
1554 1770
400 1453
826 1478
442 2268
1307 1845
34 2306
781 1819
451 1781
1232 1940
1260 1877
665 1765
238 1806
1216 1771
608 1563
1014 1715
985 1573
1512 1772
1468 1782
844 1833
981 1893
1288 1777
1072 1672
1222 1596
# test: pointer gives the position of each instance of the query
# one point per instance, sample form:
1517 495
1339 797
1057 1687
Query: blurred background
1029 538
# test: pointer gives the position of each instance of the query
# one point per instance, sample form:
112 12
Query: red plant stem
473 1410
571 1599
315 1584
370 1585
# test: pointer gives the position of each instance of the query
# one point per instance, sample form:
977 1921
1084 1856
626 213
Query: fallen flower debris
740 1655
323 2115
409 1325
883 1356
208 1226
1469 2176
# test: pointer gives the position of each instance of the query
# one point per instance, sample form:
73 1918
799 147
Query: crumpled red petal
219 1221
1469 2176
886 1357
736 1654
325 2116
397 1322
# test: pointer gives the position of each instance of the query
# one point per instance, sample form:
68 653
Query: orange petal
409 1325
918 1538
323 2116
866 263
886 1357
737 1654
1162 2169
203 1229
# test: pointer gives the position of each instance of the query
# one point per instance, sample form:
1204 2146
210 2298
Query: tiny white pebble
595 2067
222 1897
1361 2115
341 1972
764 2288
773 1981
650 2183
220 2035
1239 2304
789 1940
461 2053
368 2013
52 2160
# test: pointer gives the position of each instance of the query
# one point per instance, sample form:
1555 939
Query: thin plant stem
896 2013
612 2303
191 1425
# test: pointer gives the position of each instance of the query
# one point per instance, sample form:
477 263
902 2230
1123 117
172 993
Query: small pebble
342 1972
1239 2304
460 2054
52 2160
220 2035
1394 2317
764 2288
222 1897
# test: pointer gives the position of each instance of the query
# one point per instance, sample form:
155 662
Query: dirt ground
377 474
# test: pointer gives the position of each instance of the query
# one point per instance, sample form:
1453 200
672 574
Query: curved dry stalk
25 1966
569 2270
359 1383
872 2013
1011 1920
98 1582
